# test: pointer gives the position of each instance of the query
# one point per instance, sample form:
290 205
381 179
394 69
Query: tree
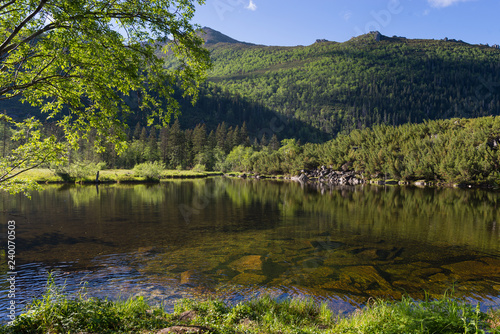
79 60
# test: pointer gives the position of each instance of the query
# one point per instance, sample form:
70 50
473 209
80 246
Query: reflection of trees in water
361 241
441 216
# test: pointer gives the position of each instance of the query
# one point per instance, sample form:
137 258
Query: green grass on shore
56 313
46 175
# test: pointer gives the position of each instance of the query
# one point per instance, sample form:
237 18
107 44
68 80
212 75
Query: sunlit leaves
78 60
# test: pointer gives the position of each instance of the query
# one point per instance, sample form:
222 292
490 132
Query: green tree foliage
455 150
80 60
33 150
327 88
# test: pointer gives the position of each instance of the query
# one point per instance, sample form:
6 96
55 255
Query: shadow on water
240 238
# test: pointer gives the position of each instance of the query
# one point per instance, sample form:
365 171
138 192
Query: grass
46 175
56 313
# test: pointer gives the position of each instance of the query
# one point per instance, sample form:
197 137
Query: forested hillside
338 87
313 92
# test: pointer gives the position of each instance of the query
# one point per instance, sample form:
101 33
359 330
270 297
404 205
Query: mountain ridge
326 88
212 36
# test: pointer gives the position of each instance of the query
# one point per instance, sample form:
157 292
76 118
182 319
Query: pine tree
176 145
152 149
199 138
263 141
164 139
211 140
274 143
245 139
221 135
137 130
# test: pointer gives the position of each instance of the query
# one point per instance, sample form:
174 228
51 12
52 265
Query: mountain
337 87
211 36
314 92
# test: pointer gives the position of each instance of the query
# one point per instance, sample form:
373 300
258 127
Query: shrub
149 170
199 168
79 171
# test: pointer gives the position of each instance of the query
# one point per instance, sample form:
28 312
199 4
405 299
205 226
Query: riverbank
320 176
328 176
46 175
56 313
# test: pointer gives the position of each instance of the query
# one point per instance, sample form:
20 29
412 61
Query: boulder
184 330
187 316
249 262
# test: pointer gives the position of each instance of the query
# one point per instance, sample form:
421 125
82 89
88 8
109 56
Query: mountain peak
211 36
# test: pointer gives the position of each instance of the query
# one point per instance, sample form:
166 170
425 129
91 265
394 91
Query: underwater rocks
248 279
484 267
249 262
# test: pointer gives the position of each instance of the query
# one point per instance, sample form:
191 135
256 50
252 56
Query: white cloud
347 15
251 6
444 3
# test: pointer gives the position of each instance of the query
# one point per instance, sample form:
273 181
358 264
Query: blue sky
292 22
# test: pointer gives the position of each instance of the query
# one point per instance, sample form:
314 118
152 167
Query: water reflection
239 238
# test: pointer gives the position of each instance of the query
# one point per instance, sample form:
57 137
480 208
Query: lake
236 239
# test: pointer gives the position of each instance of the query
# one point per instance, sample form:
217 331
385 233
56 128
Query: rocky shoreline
325 176
330 176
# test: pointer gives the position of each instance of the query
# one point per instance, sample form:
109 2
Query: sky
293 22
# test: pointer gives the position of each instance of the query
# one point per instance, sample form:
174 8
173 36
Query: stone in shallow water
365 276
248 279
312 277
369 254
326 245
249 262
439 277
425 272
360 279
342 258
485 267
189 277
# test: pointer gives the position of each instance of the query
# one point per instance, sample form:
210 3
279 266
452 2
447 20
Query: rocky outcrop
330 176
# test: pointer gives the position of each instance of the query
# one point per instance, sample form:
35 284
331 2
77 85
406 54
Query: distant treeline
454 150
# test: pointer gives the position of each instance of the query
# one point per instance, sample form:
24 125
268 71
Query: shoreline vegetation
443 153
55 312
321 176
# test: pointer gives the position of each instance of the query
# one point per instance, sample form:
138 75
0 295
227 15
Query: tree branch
22 171
2 7
3 47
48 27
36 82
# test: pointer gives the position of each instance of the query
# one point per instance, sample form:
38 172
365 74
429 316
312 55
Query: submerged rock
485 267
248 279
326 245
189 277
249 262
360 280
